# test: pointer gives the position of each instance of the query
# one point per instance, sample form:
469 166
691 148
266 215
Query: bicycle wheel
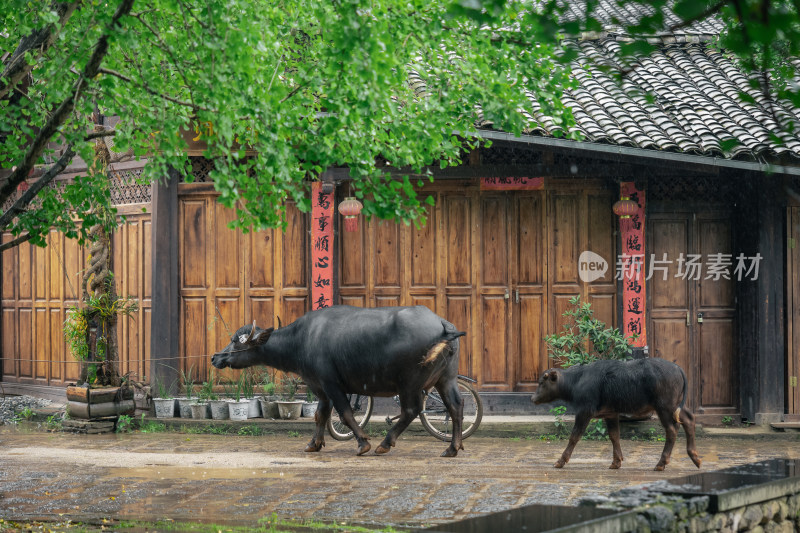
437 421
362 409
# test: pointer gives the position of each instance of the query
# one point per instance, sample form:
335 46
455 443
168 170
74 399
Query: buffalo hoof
659 467
314 446
450 452
560 463
695 459
364 448
614 466
380 450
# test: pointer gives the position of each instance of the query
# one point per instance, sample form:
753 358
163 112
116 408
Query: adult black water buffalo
606 388
377 352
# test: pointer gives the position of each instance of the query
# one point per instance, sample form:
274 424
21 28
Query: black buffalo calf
606 388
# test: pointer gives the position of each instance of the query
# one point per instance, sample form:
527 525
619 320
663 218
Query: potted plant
238 406
269 400
164 404
288 407
310 405
249 394
185 403
218 406
201 408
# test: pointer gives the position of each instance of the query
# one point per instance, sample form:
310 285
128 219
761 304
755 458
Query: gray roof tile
696 103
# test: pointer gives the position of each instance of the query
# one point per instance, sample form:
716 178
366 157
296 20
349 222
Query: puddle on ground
531 519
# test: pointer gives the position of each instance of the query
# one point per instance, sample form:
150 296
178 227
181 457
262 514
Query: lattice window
126 189
201 167
681 189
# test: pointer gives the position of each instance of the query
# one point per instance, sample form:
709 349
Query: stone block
783 511
751 517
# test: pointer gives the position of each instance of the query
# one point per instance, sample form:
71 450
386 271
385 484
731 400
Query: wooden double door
691 308
501 266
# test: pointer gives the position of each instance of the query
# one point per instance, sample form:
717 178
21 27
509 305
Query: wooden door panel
25 343
457 223
295 249
423 253
387 301
494 364
25 271
352 272
714 291
670 295
601 226
57 346
194 229
717 371
260 249
10 340
458 310
670 340
564 238
427 301
356 300
494 242
530 334
528 243
41 332
387 254
10 271
262 310
604 307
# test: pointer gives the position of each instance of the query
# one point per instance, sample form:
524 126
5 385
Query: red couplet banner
321 247
631 267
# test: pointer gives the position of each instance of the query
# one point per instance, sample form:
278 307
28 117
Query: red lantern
350 208
625 207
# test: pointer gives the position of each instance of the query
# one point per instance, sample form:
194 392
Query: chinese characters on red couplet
321 247
631 264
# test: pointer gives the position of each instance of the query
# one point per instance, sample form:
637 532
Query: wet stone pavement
241 479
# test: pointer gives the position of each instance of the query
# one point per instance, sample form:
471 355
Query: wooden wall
229 278
500 265
40 284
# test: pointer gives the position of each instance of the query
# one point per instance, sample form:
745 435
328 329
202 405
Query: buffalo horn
252 331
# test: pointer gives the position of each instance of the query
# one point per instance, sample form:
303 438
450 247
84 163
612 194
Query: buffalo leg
671 433
342 406
687 421
321 418
451 396
410 406
612 425
581 423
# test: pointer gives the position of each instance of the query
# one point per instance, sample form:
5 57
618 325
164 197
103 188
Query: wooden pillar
768 368
165 326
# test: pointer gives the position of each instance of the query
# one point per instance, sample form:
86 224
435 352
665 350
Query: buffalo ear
262 336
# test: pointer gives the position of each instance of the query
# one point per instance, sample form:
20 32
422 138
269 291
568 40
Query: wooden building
501 254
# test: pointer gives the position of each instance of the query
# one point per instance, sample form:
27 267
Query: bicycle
434 415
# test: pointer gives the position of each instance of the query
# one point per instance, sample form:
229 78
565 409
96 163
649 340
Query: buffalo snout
220 360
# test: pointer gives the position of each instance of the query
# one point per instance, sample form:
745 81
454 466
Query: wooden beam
165 326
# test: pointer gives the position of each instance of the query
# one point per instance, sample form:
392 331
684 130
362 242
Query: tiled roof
684 97
693 105
614 15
